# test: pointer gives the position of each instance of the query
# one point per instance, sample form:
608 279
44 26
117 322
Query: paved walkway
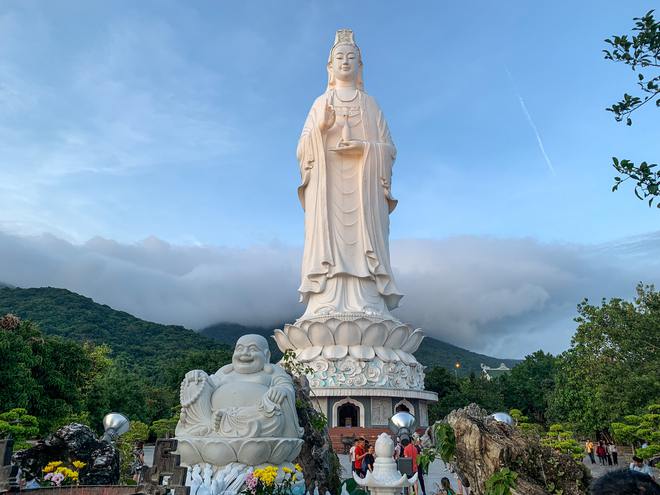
436 473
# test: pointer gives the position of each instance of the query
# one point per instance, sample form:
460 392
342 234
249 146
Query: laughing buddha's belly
237 393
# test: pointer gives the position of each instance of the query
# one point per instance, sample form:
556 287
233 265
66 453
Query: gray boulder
74 442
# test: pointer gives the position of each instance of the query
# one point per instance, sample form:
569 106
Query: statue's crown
344 36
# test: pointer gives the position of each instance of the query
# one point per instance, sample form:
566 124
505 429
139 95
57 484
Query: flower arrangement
272 480
57 474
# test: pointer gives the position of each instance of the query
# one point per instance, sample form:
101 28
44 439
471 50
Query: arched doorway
404 406
348 414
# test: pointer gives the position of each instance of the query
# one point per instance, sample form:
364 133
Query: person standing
138 462
611 449
589 447
600 452
420 470
360 453
369 459
351 454
410 451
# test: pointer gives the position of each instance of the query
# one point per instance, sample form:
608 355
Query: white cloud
505 297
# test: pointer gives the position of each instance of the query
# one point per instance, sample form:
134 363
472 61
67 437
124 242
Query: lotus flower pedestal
361 359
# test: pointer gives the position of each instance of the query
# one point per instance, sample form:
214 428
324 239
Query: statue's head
251 354
345 60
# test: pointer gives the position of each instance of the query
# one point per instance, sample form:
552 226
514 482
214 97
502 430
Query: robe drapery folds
376 201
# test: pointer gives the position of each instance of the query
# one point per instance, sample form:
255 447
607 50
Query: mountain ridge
71 315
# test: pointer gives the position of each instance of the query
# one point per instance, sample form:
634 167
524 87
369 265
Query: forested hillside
141 344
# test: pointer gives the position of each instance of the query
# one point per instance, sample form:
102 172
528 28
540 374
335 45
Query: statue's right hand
329 117
195 376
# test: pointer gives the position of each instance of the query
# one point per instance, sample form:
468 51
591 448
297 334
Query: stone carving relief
351 372
381 411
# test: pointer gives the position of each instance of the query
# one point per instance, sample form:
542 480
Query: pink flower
251 482
57 478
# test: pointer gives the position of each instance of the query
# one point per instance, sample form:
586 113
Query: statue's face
249 356
345 62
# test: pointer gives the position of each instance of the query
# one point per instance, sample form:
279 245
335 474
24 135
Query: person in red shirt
410 451
360 453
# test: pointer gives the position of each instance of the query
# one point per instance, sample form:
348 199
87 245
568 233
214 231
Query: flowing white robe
346 262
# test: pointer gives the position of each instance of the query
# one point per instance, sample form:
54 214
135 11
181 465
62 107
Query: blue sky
178 121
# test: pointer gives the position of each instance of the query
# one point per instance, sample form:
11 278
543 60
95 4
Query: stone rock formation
74 442
319 462
484 445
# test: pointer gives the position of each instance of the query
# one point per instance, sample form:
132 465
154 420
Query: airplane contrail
532 125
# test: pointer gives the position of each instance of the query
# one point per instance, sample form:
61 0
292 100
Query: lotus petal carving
405 357
412 344
362 338
348 333
281 452
309 353
282 340
375 334
320 335
297 337
397 337
253 452
386 354
335 352
362 352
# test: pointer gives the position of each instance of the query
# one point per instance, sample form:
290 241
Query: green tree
44 375
641 52
529 385
637 429
611 369
19 425
562 440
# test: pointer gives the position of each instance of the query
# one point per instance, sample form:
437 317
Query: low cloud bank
503 297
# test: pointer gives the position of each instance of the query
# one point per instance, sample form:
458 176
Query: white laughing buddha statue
243 413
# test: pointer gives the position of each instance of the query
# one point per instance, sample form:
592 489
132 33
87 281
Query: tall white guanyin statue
346 154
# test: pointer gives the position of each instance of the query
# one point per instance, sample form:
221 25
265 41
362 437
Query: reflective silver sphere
402 420
115 425
503 417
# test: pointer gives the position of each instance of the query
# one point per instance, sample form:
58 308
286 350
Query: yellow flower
293 478
298 468
48 469
79 464
287 470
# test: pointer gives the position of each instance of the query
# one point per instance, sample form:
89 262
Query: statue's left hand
353 146
276 395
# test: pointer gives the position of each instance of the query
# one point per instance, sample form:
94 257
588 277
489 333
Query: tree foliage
641 52
562 440
19 425
636 430
611 368
529 385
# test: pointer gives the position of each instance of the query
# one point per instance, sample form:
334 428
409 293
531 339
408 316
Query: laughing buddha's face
251 354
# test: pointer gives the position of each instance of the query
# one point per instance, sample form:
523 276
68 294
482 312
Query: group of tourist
362 461
605 451
362 457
